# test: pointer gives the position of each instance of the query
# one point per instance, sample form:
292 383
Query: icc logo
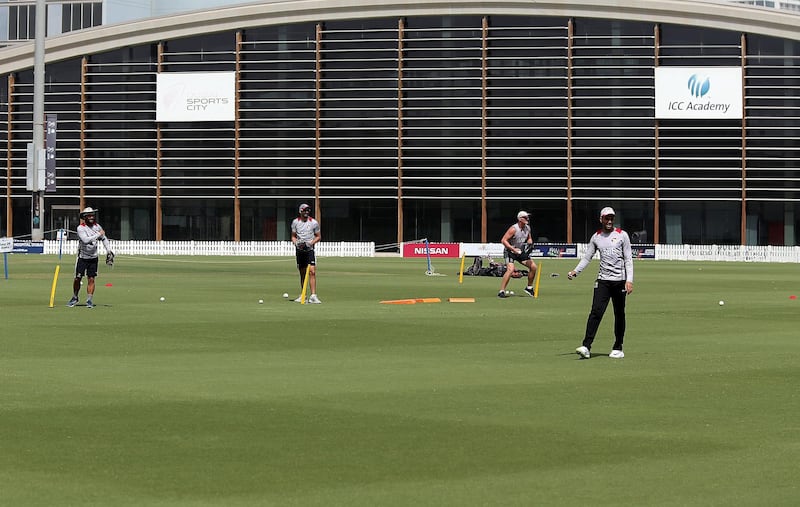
698 86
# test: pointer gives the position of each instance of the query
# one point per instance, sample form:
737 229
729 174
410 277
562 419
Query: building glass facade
439 127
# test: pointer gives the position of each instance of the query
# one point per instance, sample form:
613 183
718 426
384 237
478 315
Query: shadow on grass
193 448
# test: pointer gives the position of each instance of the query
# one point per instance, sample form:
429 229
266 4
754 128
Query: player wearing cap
90 233
518 244
614 281
306 234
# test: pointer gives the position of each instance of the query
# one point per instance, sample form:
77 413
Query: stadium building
399 120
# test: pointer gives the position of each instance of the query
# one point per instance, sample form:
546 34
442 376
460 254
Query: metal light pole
37 198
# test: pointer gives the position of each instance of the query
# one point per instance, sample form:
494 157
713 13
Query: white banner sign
195 96
699 93
483 249
6 245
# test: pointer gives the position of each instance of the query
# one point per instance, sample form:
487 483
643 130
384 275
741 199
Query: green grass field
210 398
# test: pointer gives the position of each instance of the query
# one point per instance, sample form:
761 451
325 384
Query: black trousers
605 290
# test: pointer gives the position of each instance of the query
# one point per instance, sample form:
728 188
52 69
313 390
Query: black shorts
86 267
306 258
510 256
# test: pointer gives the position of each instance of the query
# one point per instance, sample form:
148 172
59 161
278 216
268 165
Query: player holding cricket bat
90 233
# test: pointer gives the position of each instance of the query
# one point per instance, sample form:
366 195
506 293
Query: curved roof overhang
719 15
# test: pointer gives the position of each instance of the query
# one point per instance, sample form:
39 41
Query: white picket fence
724 253
735 253
731 253
230 248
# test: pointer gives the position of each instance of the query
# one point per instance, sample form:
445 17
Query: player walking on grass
89 234
306 234
614 281
518 243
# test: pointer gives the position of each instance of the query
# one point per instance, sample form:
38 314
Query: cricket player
306 234
518 243
614 281
90 233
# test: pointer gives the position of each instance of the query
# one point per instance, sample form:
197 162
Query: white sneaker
616 354
299 299
583 352
314 299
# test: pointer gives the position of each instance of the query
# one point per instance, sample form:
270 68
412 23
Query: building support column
656 149
743 218
484 125
237 213
159 216
9 157
82 162
400 217
318 124
570 44
37 197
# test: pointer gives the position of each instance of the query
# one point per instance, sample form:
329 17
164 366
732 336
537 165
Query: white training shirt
88 237
305 231
616 261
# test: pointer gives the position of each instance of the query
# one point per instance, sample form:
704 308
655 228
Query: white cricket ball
285 295
721 303
163 299
511 292
261 301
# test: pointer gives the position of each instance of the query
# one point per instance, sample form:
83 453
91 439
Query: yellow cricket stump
305 286
461 300
461 271
538 275
53 289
